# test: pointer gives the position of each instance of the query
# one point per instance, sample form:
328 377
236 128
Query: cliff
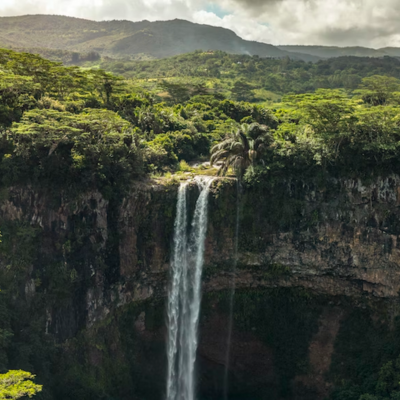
90 275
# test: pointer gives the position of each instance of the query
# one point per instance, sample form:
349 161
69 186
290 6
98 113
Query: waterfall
184 295
232 294
178 265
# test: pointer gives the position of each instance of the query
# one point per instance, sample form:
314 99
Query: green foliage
160 152
17 94
241 149
242 91
95 147
184 167
179 92
331 132
17 384
279 75
84 127
365 363
378 90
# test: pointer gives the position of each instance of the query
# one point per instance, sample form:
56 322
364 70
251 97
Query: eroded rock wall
88 260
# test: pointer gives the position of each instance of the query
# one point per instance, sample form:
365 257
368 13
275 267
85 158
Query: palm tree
241 148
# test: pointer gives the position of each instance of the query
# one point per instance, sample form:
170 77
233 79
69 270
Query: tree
105 84
376 135
98 146
242 91
16 384
330 114
241 149
17 94
178 92
378 90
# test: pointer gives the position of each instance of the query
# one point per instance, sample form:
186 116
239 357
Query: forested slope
334 51
276 75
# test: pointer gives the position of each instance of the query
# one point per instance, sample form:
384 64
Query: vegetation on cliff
241 149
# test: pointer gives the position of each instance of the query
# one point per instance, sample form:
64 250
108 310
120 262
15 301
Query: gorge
317 286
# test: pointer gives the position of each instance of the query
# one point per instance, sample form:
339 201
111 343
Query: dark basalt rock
94 277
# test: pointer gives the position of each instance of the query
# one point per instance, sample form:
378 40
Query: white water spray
184 296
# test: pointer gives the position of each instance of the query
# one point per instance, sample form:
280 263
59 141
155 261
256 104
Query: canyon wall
316 257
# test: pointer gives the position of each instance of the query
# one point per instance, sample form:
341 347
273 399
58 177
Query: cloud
328 22
104 9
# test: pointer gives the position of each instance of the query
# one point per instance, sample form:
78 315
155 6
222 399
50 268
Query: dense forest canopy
278 75
91 127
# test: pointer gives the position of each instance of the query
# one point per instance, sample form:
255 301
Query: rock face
90 260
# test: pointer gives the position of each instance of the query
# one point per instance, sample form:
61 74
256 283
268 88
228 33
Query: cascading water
232 294
178 265
185 292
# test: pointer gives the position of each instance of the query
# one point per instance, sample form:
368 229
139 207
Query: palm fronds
240 149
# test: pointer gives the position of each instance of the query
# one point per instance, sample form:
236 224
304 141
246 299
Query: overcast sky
371 23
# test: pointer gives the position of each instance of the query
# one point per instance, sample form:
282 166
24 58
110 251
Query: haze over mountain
144 39
334 51
124 38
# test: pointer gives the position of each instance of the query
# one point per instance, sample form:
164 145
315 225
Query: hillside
267 79
334 51
125 39
146 40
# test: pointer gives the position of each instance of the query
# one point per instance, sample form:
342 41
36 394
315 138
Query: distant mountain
144 40
391 51
125 39
333 51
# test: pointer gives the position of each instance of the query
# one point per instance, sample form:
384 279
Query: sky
368 23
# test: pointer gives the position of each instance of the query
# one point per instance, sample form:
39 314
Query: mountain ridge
335 51
128 39
153 40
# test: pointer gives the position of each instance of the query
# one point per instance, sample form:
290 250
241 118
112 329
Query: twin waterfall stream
184 295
